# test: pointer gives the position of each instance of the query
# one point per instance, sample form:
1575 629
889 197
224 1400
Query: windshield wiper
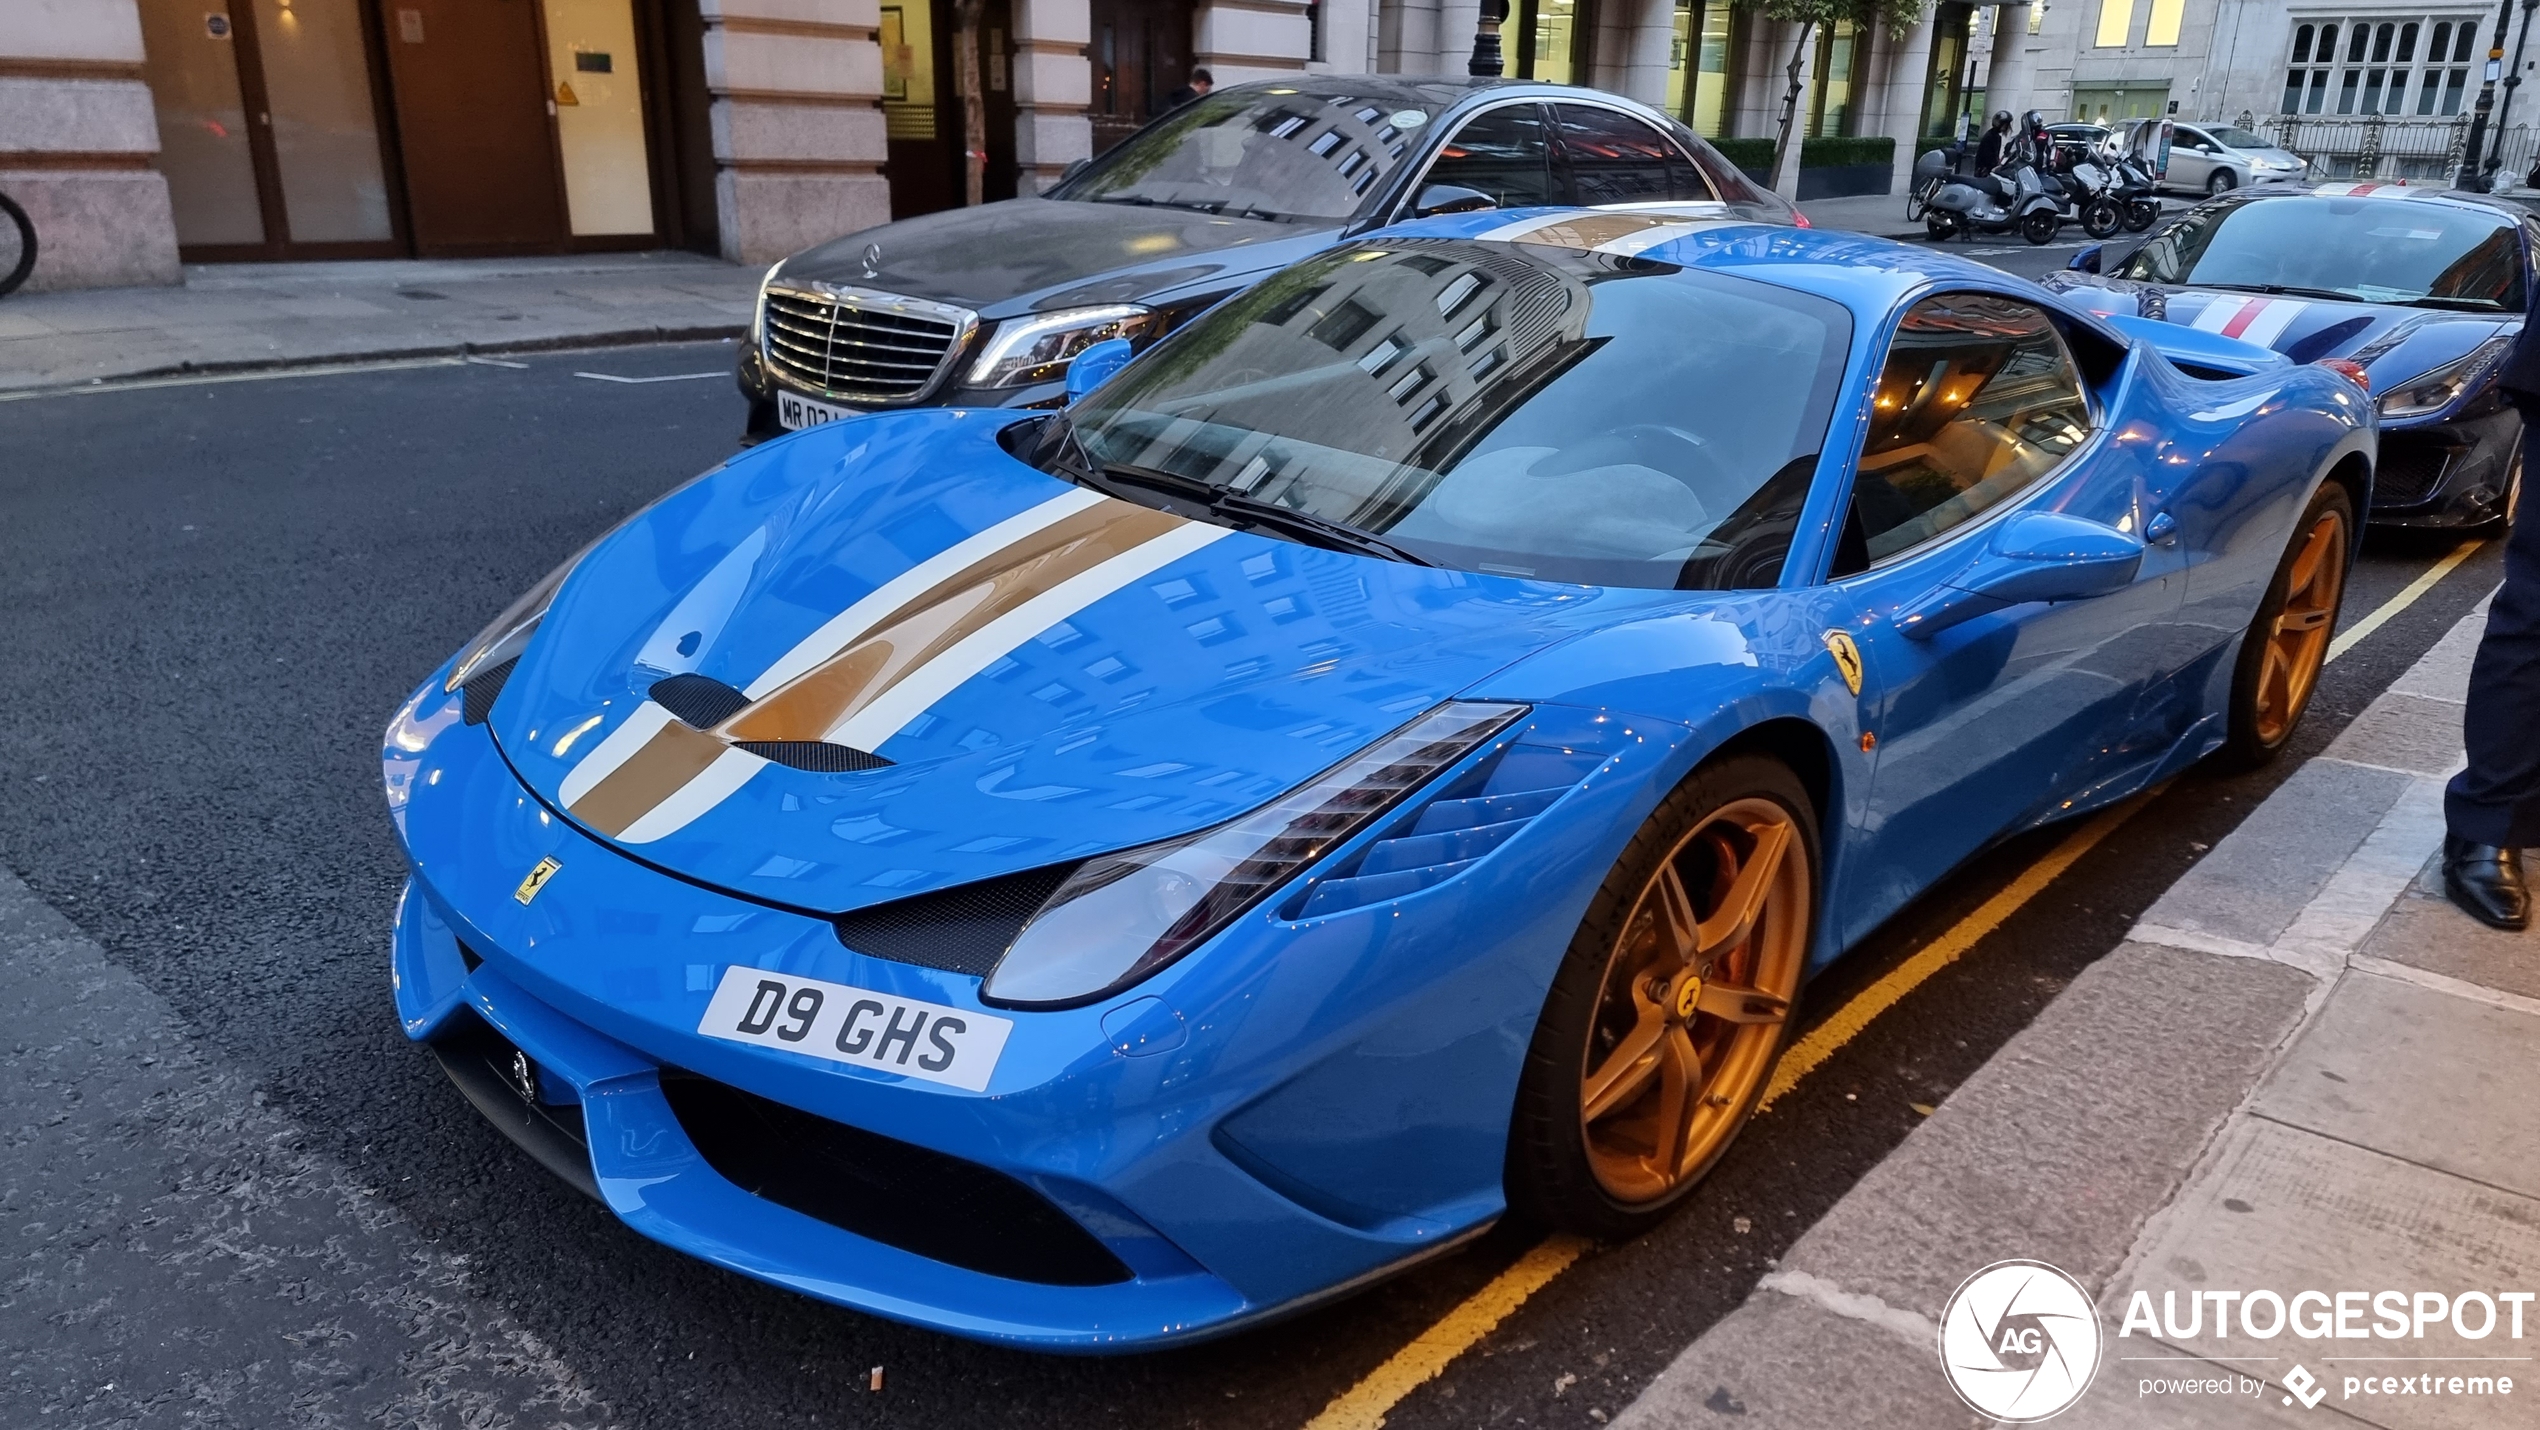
1322 530
2279 290
2457 305
1142 201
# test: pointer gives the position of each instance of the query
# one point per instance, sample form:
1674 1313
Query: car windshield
1276 154
1525 410
2239 138
2372 250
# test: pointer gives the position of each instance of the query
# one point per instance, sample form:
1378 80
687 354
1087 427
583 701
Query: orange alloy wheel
1696 991
2297 644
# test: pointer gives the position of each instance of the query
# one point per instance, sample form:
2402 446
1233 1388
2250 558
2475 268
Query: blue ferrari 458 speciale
1386 758
2418 291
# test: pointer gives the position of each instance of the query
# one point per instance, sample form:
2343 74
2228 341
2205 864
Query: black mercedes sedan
985 306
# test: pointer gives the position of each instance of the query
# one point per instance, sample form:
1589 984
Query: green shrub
1756 155
1834 152
1746 153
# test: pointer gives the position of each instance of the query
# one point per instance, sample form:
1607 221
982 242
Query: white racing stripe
841 630
867 728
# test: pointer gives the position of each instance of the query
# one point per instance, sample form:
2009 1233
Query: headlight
509 635
1121 917
2438 389
758 307
1037 348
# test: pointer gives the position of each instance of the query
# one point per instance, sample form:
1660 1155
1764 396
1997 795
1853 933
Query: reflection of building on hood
1450 337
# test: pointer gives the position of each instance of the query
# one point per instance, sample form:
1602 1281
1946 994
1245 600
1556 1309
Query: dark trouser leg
2497 799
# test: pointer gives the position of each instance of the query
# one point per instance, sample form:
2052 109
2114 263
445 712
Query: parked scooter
2127 159
2091 192
2015 197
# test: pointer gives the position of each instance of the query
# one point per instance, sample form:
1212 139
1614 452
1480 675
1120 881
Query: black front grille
476 698
961 930
863 348
897 1193
490 1072
2411 469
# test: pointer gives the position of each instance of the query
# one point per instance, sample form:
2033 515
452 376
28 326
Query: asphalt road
218 592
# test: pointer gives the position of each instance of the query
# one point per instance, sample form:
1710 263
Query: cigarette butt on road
875 1381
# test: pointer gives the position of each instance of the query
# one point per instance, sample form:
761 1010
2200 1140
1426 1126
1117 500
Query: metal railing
2420 151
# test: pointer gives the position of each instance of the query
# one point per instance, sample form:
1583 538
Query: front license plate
795 413
857 1026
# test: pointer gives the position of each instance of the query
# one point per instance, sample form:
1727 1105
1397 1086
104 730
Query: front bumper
1274 1121
2449 471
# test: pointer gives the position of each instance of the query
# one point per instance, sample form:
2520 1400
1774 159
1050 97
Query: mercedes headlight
1037 348
1120 917
758 308
2438 389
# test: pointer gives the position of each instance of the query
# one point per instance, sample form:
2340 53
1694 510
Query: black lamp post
2471 176
1486 58
2513 81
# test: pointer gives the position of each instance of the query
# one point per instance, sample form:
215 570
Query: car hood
898 584
2394 344
1024 254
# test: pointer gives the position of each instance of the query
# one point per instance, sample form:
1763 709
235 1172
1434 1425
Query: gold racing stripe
676 754
924 627
824 697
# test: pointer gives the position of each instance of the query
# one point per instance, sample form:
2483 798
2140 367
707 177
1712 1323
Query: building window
2372 66
2116 22
1699 72
2162 29
1830 96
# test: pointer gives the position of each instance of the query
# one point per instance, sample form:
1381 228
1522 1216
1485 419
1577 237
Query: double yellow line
1363 1406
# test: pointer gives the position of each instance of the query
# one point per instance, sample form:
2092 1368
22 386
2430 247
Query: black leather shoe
2487 883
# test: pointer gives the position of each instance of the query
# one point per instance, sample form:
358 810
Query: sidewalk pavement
1882 215
2303 1070
247 315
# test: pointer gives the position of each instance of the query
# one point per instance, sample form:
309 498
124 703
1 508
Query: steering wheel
1685 456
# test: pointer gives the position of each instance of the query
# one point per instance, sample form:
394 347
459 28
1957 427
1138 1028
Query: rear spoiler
2203 354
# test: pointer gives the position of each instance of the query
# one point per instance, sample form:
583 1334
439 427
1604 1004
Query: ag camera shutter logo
2019 1341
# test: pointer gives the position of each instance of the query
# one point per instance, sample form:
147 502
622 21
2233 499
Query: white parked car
2211 158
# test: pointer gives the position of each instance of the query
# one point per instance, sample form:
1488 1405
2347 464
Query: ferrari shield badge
1847 660
544 870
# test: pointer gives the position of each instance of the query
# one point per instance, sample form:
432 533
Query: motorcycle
2132 168
2091 190
2013 198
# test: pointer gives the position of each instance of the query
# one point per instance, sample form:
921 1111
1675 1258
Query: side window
1616 159
1978 399
1503 153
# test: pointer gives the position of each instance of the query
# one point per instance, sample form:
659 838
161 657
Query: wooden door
1141 53
472 123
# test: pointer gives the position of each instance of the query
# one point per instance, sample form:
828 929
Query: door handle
2160 528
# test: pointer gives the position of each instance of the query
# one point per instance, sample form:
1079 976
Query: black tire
2141 214
2100 218
2039 225
14 217
1941 224
2260 727
1550 1177
2221 181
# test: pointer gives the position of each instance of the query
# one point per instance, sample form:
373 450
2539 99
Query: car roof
2394 193
1867 275
1441 91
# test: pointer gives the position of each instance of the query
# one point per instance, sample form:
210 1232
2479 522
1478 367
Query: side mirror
1094 366
2034 556
2087 261
1074 167
1438 199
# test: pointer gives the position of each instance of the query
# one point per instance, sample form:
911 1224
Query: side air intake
1464 823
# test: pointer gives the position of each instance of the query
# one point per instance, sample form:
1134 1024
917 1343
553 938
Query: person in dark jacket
2491 810
1989 149
1201 83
